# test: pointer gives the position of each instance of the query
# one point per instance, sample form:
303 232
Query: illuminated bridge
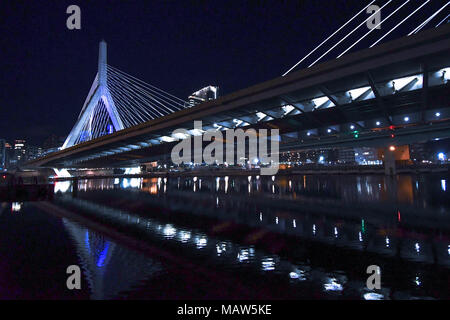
394 93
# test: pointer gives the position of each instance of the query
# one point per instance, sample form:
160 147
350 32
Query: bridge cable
323 42
373 29
365 21
423 24
409 16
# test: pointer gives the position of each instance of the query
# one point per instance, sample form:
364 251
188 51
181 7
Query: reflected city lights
169 231
444 185
184 236
16 206
268 264
201 242
373 296
417 281
333 285
221 247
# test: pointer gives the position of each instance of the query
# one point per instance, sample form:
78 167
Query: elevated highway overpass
393 93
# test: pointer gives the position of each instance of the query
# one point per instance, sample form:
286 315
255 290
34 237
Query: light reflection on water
419 191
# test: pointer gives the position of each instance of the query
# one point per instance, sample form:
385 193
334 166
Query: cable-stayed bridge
117 101
391 93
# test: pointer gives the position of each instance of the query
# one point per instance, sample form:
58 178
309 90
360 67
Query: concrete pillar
389 162
75 187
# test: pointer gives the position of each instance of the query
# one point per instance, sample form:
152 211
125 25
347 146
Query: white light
329 130
261 115
16 206
352 127
321 100
438 114
308 134
373 296
201 242
180 135
196 132
169 231
417 281
441 156
333 285
399 84
135 182
417 247
167 139
356 93
221 247
287 109
268 264
378 123
406 119
444 185
185 236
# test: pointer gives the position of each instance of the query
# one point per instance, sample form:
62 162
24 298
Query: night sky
179 46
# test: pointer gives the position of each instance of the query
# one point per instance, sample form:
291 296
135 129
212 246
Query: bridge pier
75 187
389 163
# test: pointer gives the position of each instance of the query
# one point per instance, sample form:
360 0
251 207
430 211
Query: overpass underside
392 94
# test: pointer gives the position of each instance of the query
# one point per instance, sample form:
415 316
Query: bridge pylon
99 94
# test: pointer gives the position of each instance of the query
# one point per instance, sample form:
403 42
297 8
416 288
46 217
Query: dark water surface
278 237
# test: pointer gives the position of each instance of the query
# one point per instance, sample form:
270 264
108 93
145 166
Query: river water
283 237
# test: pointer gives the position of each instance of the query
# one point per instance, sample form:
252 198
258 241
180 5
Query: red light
399 216
391 127
392 136
4 177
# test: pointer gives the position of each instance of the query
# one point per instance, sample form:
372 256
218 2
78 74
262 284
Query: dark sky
180 46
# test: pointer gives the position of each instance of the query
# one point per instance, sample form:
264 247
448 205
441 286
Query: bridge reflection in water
233 223
109 268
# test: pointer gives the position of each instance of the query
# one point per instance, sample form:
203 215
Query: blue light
102 256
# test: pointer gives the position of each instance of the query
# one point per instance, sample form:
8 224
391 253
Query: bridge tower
99 92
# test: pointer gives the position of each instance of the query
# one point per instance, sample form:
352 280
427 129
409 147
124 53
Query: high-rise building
205 94
20 152
34 152
3 163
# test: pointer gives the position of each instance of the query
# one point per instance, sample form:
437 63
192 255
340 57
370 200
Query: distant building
346 155
52 144
420 152
20 152
367 156
3 163
34 152
206 94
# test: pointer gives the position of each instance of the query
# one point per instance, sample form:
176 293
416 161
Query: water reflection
327 210
109 268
